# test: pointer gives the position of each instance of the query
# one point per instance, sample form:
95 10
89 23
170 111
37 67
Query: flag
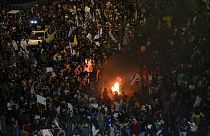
75 40
135 77
168 20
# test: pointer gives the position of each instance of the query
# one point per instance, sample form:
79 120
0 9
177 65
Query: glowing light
116 88
34 22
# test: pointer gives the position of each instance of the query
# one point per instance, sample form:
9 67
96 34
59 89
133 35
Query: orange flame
116 88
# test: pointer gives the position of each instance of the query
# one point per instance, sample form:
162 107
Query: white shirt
94 131
193 127
58 110
14 45
197 101
150 77
70 106
23 44
116 106
9 106
87 9
112 131
94 105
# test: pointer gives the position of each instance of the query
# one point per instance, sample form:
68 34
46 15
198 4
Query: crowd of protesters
171 91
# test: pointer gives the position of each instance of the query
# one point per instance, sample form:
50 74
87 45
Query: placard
41 99
49 69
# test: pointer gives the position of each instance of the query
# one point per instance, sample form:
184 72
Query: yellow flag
75 40
168 20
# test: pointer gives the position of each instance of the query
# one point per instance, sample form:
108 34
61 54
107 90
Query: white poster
46 132
49 69
41 99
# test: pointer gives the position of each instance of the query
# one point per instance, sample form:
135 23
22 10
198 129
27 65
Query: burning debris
116 87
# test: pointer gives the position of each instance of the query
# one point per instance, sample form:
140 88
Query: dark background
15 1
21 4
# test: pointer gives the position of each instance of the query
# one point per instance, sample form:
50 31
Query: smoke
122 65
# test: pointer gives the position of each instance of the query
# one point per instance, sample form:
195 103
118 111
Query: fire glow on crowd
112 69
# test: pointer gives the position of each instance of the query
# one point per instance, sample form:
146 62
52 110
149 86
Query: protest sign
49 69
41 99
